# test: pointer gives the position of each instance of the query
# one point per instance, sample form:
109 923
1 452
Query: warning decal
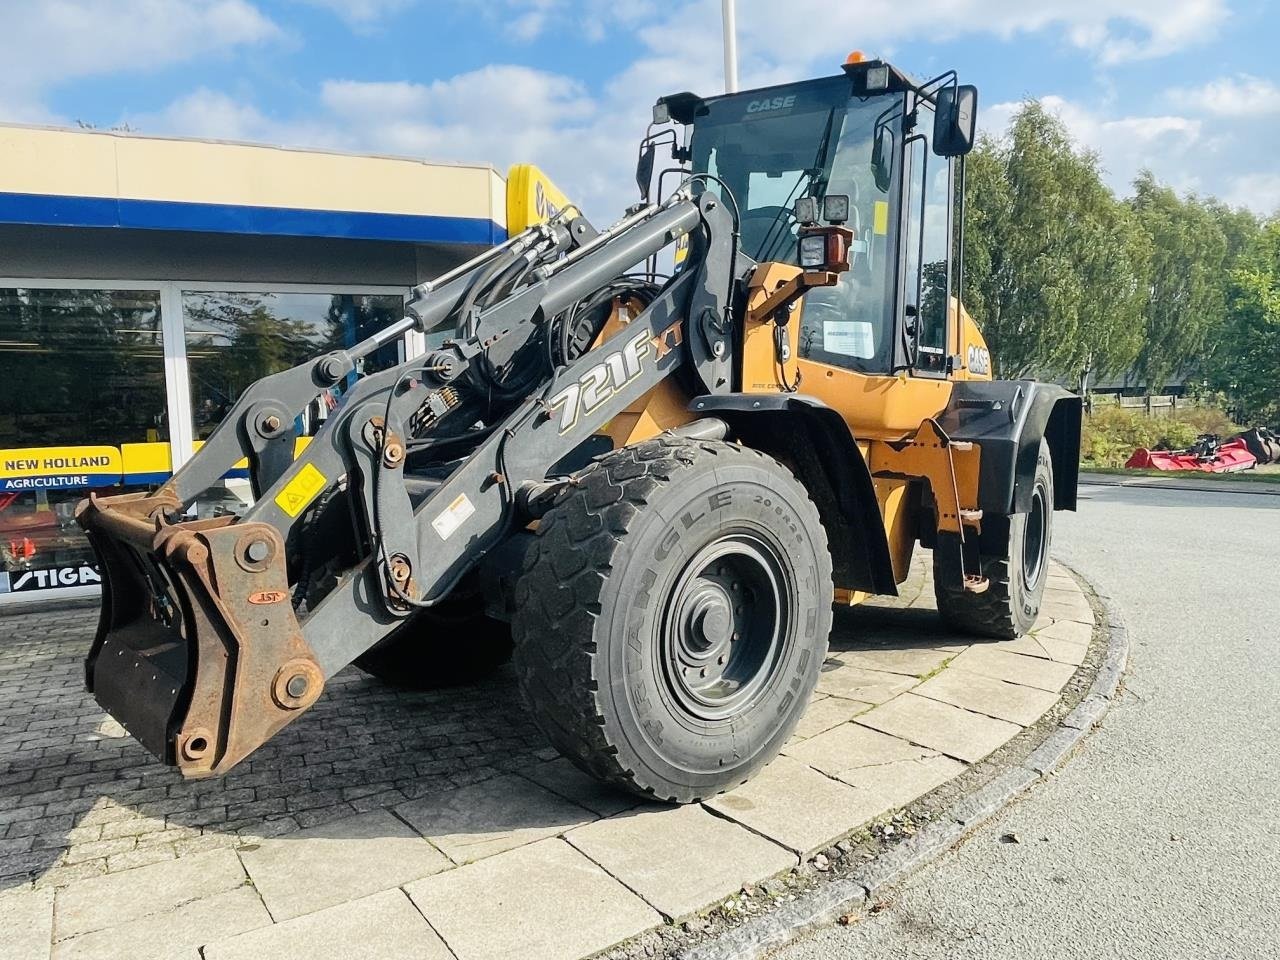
453 516
301 490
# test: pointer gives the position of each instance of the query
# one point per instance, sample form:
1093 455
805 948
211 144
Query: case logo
978 359
771 103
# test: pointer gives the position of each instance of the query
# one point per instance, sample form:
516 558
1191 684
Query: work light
825 248
806 210
835 208
813 251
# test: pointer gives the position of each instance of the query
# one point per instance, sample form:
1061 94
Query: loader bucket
198 653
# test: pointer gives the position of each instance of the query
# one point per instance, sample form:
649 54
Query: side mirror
644 169
881 159
956 121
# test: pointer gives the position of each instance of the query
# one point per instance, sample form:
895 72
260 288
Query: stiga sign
59 468
51 578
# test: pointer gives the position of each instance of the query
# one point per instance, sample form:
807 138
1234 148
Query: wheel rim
1035 538
725 625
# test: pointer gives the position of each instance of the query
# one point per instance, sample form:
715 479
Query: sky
1187 88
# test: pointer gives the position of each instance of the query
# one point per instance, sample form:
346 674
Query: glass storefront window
83 373
85 405
235 338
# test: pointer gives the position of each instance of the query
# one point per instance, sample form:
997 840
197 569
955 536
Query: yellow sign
531 198
880 223
301 490
59 468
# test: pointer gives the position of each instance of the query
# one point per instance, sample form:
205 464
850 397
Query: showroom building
145 282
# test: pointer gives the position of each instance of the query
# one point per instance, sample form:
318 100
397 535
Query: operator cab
889 145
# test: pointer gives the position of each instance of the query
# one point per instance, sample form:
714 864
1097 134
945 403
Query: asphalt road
1160 838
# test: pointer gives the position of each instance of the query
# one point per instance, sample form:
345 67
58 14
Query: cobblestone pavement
386 823
79 797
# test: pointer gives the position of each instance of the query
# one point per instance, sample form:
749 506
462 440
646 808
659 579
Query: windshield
773 146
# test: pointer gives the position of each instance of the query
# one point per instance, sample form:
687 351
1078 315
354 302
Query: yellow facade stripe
146 458
54 162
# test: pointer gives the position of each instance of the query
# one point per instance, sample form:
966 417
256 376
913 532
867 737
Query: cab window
926 263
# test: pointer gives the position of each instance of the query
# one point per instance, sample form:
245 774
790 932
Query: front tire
1016 569
673 615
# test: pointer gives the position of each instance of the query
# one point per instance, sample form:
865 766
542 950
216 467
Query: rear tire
1016 570
448 645
673 615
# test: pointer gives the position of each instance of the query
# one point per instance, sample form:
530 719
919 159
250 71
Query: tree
1246 359
1056 266
1185 294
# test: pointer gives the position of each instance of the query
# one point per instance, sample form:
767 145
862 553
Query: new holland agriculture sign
59 468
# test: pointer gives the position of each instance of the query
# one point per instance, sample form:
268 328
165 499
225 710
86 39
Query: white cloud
527 20
1112 31
51 43
1239 96
499 114
361 14
1218 157
1259 192
585 139
214 115
1125 144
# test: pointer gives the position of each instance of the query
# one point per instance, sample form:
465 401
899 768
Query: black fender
813 440
1007 418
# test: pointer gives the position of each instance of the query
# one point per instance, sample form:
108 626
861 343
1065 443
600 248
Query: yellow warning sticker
881 223
301 490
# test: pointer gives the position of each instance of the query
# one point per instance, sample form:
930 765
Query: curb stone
1259 488
822 905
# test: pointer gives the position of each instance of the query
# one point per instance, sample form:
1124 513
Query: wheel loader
643 462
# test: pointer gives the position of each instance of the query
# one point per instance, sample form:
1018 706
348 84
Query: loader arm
202 651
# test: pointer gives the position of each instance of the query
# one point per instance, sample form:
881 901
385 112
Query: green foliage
1186 299
1068 282
1246 361
1056 267
1111 434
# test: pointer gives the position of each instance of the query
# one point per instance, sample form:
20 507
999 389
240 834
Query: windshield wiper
808 178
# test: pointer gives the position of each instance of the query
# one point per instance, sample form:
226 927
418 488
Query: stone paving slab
1066 631
112 899
990 661
544 901
312 869
857 683
178 932
886 787
493 816
385 926
850 745
826 712
909 661
26 924
1063 605
1063 651
679 860
951 730
561 777
376 788
994 698
792 804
